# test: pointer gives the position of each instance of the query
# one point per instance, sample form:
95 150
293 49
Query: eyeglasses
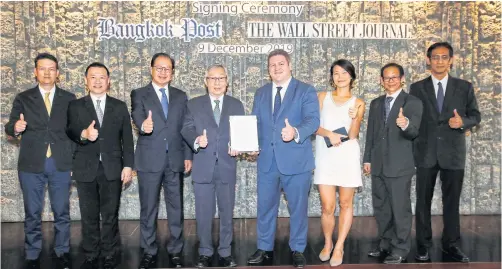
163 69
214 79
440 57
388 79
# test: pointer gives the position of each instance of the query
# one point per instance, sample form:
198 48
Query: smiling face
216 81
341 78
46 73
440 62
391 79
279 69
97 80
162 71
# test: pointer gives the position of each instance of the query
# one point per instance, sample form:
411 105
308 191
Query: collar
394 95
284 85
443 81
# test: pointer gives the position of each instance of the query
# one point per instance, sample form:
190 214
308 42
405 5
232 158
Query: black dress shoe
204 261
147 261
228 261
90 263
377 252
456 254
110 263
175 259
63 261
32 264
422 254
298 259
393 259
259 256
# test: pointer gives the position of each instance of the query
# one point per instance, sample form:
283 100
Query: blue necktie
277 101
388 99
440 97
164 102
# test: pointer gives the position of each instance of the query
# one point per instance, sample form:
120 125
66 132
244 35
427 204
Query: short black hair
161 54
347 66
97 64
279 52
47 56
439 45
399 67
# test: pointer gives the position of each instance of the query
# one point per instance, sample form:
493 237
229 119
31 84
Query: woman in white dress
338 165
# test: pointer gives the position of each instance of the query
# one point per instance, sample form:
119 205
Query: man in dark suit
450 110
101 126
207 130
162 156
38 118
393 123
287 111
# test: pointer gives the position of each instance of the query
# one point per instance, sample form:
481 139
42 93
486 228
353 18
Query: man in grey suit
207 130
161 157
393 123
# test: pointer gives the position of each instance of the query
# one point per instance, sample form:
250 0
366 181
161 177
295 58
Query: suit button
272 144
440 138
214 153
164 139
101 139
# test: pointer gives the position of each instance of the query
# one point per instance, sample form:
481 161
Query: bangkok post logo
188 29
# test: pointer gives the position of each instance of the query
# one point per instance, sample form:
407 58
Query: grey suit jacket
200 117
151 148
437 142
388 148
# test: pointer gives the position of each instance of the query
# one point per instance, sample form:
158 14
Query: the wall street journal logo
187 30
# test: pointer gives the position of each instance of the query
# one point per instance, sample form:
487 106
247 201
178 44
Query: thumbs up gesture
354 110
20 125
90 133
202 139
456 121
147 125
288 132
401 120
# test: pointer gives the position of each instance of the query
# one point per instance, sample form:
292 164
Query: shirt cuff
407 124
196 146
297 136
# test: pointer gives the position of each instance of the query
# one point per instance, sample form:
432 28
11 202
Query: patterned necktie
163 102
217 112
440 97
47 102
277 102
99 112
388 99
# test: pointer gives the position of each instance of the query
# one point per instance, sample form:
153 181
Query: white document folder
244 133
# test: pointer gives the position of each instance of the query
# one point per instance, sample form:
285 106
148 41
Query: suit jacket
301 107
42 130
437 142
389 148
151 148
200 117
114 143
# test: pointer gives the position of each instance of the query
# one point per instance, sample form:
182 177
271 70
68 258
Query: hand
90 133
401 120
367 168
456 121
232 152
126 176
20 125
353 111
336 139
188 165
148 123
202 139
288 132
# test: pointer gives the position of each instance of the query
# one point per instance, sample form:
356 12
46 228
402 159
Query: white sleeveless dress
338 166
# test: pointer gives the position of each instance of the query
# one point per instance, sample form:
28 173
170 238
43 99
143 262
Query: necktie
388 99
47 102
164 102
99 112
440 97
217 112
277 101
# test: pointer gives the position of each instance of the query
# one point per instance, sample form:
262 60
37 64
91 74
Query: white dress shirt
159 93
284 86
51 95
443 81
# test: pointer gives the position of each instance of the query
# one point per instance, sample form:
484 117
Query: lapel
154 98
428 88
56 101
107 116
268 102
448 97
38 100
224 116
92 111
394 111
380 106
207 109
288 98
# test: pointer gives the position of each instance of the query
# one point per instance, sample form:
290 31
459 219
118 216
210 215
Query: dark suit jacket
388 148
200 117
437 142
151 148
114 143
42 130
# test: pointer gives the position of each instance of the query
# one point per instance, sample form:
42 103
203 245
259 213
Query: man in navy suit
288 114
207 130
161 157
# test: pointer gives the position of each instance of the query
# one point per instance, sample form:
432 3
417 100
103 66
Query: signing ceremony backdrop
124 36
